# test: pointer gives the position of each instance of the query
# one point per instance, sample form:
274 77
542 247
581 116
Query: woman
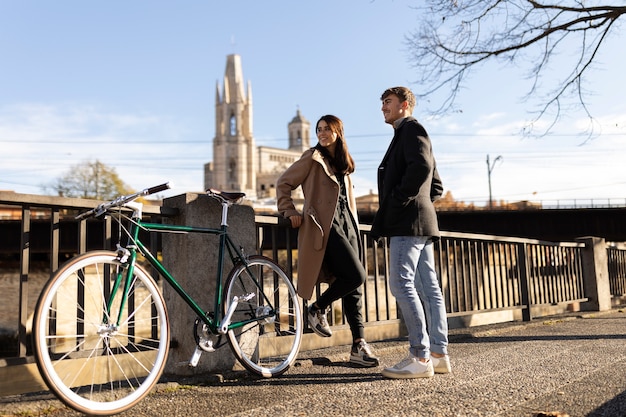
328 239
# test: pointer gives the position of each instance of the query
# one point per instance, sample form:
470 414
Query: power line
284 139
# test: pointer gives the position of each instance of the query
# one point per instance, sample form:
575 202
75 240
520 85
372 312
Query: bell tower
234 152
299 133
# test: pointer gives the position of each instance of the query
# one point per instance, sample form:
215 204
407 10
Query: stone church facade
238 164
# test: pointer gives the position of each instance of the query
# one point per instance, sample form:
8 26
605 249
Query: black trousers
342 259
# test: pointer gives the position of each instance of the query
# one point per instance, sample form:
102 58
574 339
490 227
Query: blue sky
84 80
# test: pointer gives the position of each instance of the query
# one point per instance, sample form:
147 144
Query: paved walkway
569 365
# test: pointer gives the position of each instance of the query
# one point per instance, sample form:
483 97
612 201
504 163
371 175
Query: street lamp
489 170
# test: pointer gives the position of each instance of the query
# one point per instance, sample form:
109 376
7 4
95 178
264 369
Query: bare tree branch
458 36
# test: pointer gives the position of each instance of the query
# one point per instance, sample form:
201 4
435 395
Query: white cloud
41 142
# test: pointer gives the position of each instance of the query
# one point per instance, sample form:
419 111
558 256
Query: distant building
367 203
238 164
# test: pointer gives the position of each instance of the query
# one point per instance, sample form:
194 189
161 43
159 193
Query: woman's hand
296 221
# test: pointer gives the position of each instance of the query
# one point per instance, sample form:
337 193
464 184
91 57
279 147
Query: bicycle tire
264 346
91 364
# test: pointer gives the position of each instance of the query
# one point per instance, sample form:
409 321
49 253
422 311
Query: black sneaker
319 322
362 355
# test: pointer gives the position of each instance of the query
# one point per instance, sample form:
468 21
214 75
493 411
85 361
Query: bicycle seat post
226 199
225 205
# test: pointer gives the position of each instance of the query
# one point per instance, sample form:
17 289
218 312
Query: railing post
522 258
54 239
24 268
595 274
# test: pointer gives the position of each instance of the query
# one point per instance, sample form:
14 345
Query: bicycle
101 328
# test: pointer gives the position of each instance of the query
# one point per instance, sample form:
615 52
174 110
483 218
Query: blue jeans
413 281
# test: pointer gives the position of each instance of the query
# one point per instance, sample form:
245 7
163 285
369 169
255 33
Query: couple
329 247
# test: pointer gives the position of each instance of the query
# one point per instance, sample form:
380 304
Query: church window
233 125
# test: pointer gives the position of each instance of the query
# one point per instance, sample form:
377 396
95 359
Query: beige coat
321 193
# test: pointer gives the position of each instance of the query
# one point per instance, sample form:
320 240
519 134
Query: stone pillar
192 259
596 274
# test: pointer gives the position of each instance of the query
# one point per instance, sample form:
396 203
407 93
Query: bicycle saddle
228 196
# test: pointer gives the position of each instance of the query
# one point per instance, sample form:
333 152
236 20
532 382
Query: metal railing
617 270
481 273
561 204
478 273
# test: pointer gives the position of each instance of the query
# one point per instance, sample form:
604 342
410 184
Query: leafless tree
457 36
89 179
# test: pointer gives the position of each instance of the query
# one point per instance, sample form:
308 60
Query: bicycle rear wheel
266 327
94 364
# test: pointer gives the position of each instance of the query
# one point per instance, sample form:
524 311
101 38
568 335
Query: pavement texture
570 365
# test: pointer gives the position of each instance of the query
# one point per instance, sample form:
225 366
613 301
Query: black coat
408 184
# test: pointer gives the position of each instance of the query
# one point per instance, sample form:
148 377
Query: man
408 183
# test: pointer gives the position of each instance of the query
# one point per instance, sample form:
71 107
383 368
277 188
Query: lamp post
489 170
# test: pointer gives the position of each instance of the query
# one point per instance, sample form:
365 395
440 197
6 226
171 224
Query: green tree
457 36
90 180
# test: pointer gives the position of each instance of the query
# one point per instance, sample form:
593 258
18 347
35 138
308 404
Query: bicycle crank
206 341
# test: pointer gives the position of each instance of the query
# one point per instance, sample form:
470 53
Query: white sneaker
361 354
410 367
441 365
319 322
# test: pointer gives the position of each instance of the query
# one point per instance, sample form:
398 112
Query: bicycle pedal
195 358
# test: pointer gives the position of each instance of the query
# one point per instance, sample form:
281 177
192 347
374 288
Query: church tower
299 133
234 152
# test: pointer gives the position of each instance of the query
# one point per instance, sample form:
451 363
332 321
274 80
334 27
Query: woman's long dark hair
342 162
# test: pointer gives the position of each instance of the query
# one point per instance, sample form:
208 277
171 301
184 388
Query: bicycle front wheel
99 352
266 327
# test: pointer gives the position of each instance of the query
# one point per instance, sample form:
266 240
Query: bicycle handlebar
121 200
156 189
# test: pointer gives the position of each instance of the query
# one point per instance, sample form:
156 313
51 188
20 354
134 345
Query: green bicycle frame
225 242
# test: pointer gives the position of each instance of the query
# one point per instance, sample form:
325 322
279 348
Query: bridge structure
489 272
